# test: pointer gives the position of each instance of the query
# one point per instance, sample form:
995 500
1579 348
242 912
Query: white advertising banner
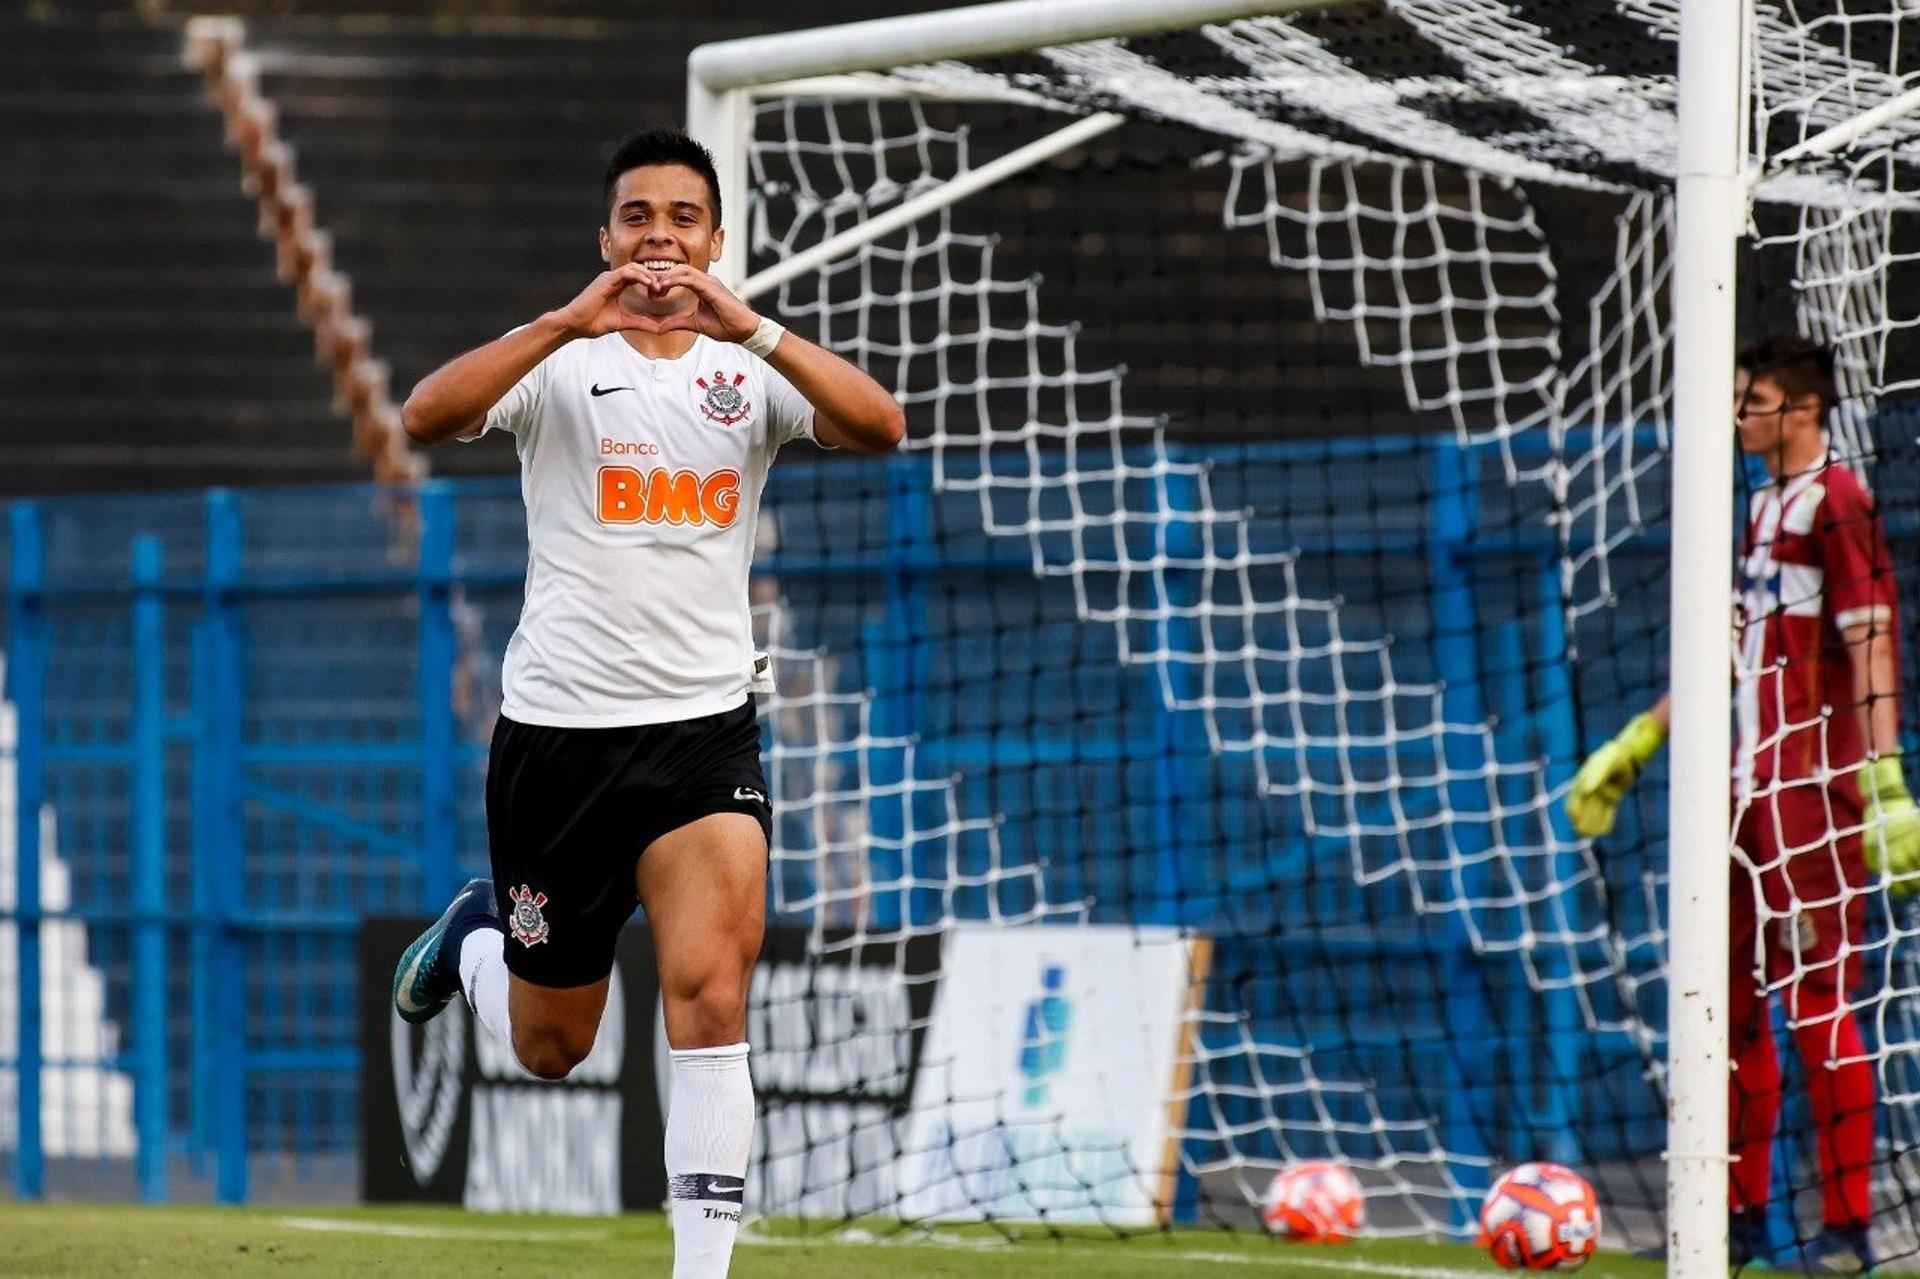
1049 1075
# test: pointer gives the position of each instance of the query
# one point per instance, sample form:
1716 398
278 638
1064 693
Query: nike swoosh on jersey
743 792
596 390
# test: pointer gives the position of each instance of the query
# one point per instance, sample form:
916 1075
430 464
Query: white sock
483 976
709 1136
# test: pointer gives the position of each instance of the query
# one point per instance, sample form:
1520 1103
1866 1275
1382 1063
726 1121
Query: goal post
1529 227
1709 209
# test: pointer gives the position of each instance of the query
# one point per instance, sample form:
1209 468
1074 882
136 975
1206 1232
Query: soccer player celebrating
1819 799
625 768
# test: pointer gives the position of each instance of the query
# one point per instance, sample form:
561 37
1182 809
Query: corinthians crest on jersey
529 925
724 402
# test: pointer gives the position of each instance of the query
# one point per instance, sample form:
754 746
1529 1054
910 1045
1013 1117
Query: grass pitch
97 1239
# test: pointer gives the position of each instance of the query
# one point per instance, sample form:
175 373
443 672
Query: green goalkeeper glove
1892 836
1603 780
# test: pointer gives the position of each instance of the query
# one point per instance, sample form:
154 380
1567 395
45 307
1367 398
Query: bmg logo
628 495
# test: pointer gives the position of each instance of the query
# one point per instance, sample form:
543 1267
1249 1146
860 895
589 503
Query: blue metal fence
258 716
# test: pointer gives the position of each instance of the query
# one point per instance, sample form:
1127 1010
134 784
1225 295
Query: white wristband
765 338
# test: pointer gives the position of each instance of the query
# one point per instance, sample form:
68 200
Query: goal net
1284 517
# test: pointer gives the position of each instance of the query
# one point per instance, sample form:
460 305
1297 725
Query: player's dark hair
662 146
1800 365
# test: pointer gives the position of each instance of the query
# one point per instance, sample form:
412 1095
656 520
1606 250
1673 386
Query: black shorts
570 810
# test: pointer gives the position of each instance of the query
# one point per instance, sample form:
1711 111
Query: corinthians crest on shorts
724 402
529 925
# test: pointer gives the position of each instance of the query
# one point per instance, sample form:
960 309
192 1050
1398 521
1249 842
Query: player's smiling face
661 215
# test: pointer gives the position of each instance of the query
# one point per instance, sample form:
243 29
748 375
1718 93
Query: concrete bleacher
146 342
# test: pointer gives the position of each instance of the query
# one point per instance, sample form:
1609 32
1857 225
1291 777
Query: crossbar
722 76
976 31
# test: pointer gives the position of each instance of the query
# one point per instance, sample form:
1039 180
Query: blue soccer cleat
428 976
1836 1250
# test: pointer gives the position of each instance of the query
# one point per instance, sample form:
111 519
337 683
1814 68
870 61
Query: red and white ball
1316 1202
1540 1216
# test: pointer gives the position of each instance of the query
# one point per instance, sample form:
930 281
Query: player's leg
537 974
550 1030
1813 951
1840 1086
553 1029
1827 931
1753 1100
703 887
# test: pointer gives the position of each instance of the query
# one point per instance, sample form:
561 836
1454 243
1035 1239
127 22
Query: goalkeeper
1821 809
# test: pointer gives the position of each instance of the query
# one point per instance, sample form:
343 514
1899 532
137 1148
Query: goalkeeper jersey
1814 561
642 482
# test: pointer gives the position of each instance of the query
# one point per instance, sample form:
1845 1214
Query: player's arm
1872 651
453 399
1857 566
1891 840
851 410
1593 801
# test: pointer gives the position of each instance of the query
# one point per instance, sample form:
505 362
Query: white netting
1485 212
1098 513
1275 674
1408 1173
832 776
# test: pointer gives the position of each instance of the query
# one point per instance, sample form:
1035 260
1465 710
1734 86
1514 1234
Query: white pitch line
1294 1259
348 1226
857 1238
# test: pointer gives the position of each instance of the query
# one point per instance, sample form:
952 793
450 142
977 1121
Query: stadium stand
450 158
148 343
126 220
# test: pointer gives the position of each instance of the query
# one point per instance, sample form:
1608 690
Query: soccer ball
1315 1202
1540 1216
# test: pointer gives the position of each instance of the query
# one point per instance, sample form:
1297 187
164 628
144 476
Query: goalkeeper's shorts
1802 861
570 811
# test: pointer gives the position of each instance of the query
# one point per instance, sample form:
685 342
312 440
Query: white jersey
642 483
